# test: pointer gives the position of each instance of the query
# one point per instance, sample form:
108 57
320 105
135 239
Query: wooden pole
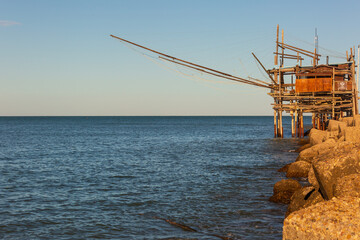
325 120
296 123
280 124
226 76
282 49
357 75
275 127
193 65
302 125
301 51
292 124
333 94
358 62
354 92
313 120
277 46
299 130
264 68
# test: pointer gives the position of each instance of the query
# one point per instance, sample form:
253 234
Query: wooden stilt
280 124
299 124
275 127
318 121
302 124
296 124
292 124
313 120
325 120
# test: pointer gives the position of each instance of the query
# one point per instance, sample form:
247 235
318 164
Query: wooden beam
237 79
289 55
295 50
300 49
277 46
264 68
282 50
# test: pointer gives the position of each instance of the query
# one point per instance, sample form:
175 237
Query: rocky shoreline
328 206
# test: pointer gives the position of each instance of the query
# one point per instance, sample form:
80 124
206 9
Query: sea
141 177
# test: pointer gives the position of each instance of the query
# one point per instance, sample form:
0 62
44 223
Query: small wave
122 176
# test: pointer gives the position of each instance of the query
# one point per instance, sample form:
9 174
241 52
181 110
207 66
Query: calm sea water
121 177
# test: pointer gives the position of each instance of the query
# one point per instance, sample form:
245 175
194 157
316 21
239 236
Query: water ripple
110 177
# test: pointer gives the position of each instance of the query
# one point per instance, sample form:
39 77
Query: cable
188 76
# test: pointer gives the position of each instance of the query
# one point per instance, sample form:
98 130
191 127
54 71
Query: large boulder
348 186
336 129
357 120
317 136
307 155
313 152
352 134
283 190
312 178
333 135
284 168
334 125
349 121
335 219
298 169
343 160
303 198
303 141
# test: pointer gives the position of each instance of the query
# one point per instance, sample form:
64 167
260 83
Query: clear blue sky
57 58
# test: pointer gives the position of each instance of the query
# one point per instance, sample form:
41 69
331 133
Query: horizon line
10 116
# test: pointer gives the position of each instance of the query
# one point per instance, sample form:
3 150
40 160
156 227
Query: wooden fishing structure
327 91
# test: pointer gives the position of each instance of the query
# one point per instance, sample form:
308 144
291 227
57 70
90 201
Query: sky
57 58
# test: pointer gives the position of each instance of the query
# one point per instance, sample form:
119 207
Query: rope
187 76
204 81
261 70
334 53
